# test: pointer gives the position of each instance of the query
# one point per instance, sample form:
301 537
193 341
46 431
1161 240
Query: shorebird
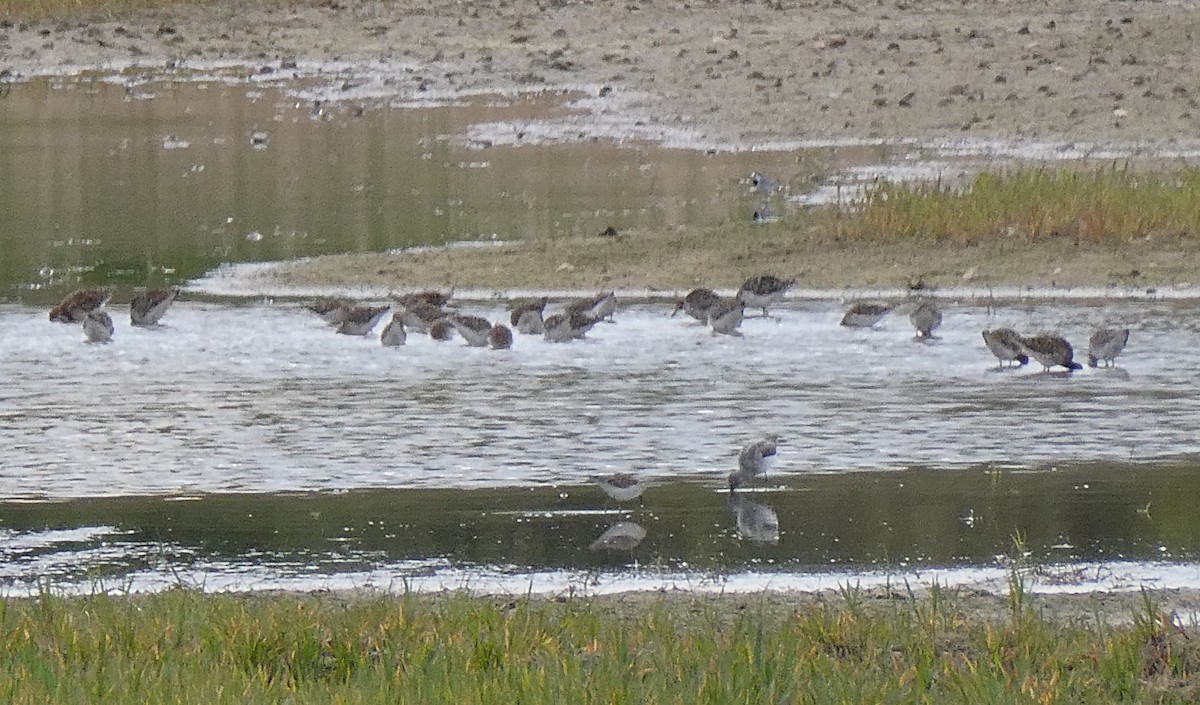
761 292
420 317
568 326
97 327
332 311
361 320
1105 344
622 536
473 329
764 214
601 306
557 328
149 306
756 522
441 330
696 304
78 304
530 323
621 486
865 314
394 334
755 458
500 337
926 317
762 183
1005 344
431 298
726 315
1050 350
526 315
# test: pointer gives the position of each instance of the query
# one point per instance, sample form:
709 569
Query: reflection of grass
1031 204
182 646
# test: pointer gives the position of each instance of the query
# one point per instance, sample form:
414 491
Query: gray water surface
162 182
245 445
268 399
253 447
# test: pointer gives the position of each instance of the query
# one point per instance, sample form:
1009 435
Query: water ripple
266 398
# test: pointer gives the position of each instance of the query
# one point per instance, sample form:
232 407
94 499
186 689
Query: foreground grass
1111 227
183 646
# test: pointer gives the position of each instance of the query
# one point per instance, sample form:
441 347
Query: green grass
1035 227
186 647
1116 204
39 9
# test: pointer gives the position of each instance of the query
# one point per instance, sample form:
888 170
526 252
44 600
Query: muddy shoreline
1004 81
649 265
744 74
1090 608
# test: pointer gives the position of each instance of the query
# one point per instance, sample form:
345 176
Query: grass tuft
41 9
185 646
1033 205
1035 227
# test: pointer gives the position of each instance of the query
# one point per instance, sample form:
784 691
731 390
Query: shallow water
170 178
1091 526
267 399
301 453
248 446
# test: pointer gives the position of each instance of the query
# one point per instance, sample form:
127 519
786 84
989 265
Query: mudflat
725 75
744 73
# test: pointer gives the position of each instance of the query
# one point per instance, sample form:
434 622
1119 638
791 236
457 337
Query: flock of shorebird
725 315
86 306
426 313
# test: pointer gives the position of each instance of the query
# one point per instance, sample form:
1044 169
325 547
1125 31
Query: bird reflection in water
755 522
622 536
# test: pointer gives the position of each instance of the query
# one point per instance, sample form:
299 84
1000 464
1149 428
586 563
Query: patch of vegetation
1036 227
183 646
1032 205
39 9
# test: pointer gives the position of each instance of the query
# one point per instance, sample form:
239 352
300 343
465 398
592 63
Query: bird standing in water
725 316
148 306
755 459
98 327
621 486
1005 344
78 304
394 334
500 337
865 314
926 318
761 292
697 303
1051 351
361 320
1105 344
